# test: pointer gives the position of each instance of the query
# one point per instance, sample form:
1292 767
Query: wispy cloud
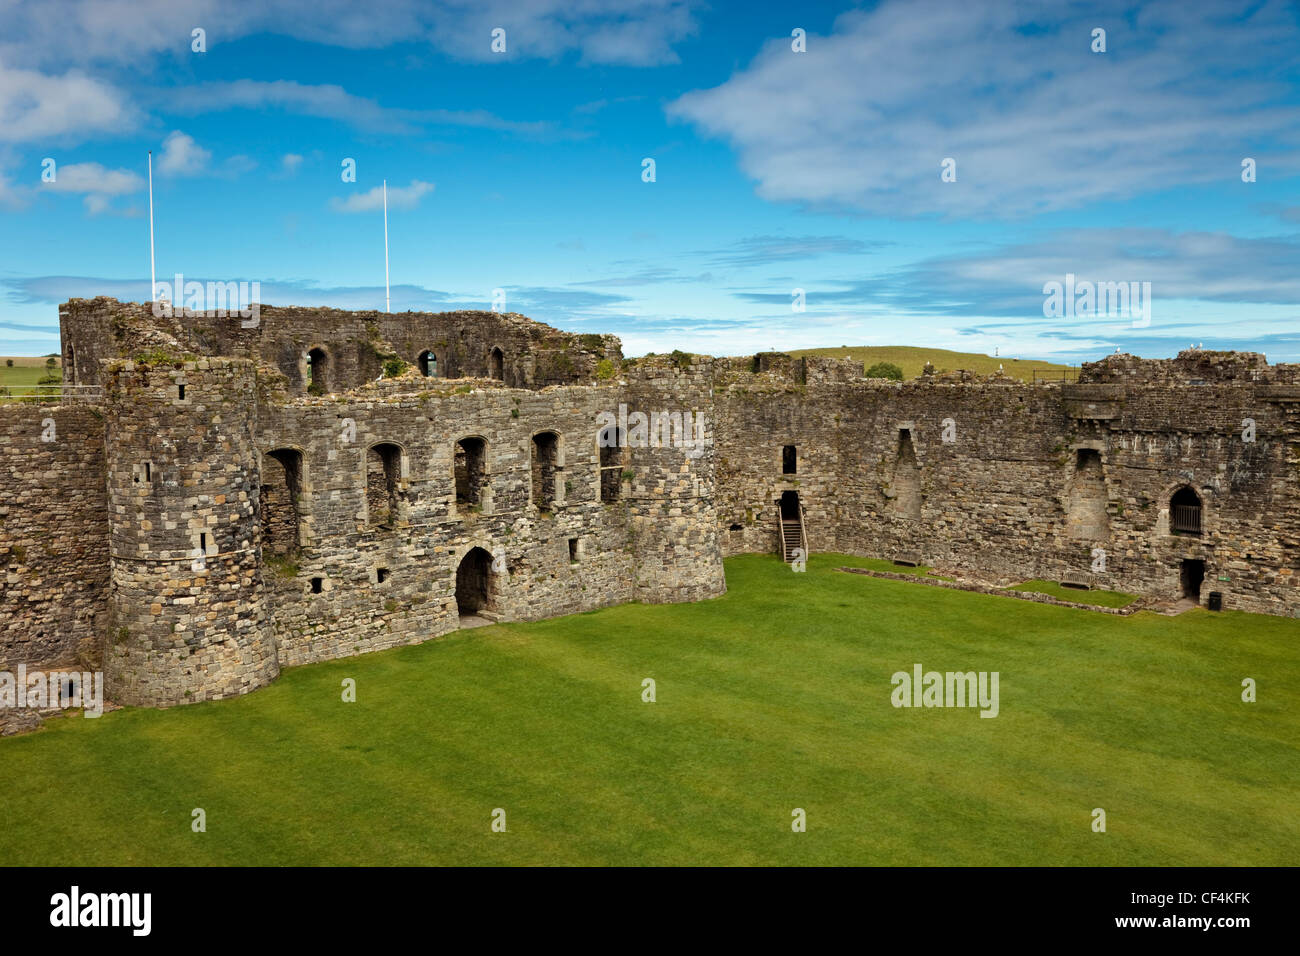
623 32
399 197
1012 93
765 250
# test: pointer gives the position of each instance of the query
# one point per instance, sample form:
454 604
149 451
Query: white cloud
291 163
34 106
1034 120
399 197
182 156
94 178
329 101
626 32
98 183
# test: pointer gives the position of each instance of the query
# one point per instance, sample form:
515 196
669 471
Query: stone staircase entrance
790 528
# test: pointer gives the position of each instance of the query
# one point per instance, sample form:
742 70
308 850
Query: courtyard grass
882 564
773 697
1098 597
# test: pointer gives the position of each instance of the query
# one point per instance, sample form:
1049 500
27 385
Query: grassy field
774 697
912 359
26 370
1097 596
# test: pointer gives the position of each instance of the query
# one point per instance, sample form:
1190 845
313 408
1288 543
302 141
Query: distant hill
911 359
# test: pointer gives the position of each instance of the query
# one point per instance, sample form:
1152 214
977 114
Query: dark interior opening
611 462
317 372
546 456
789 506
1191 575
789 460
473 582
428 364
383 472
469 465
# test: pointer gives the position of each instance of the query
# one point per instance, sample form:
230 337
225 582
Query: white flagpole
153 278
388 301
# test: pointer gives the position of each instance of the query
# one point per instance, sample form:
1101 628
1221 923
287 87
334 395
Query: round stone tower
188 619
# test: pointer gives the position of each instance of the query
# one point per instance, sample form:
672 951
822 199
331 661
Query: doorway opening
1190 578
474 583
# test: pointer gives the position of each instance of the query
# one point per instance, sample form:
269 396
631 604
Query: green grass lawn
911 359
26 371
881 564
773 697
1095 596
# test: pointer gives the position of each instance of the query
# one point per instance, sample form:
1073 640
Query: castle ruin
212 499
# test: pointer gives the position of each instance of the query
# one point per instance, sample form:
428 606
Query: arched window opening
428 364
546 464
317 372
907 478
280 494
1185 512
383 474
612 459
470 467
496 365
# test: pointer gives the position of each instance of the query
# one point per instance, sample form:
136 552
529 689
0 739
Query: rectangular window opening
789 460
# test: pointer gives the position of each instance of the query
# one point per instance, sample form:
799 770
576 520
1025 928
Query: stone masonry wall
53 535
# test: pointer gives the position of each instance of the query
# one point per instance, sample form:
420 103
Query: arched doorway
474 583
428 364
496 365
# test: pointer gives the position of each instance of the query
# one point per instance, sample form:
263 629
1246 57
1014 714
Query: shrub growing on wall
885 370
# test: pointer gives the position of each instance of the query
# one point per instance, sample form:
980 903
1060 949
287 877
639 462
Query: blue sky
775 170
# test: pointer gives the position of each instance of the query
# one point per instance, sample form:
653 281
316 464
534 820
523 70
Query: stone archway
474 586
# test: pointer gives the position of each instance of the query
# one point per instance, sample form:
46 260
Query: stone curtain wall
671 494
997 501
53 535
354 611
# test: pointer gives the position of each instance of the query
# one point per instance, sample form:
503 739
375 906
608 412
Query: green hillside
911 359
26 370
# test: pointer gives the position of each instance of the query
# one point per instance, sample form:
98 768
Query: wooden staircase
792 535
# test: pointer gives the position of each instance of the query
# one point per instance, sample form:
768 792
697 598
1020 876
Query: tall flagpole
388 301
153 278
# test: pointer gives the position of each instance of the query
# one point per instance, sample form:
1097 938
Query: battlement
1190 367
